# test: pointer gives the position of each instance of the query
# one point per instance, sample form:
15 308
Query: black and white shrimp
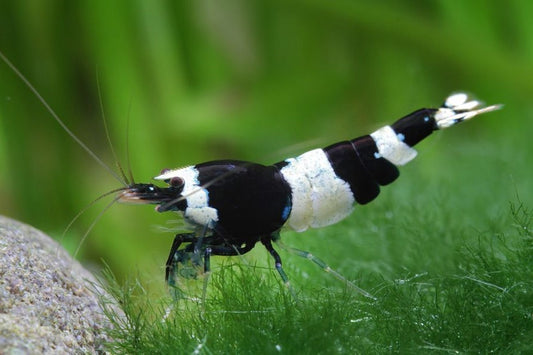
231 205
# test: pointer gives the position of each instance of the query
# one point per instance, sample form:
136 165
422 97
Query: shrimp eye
164 171
176 181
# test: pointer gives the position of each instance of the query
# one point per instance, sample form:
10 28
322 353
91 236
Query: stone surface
48 302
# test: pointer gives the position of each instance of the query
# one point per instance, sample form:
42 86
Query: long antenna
108 137
107 207
84 209
61 123
128 160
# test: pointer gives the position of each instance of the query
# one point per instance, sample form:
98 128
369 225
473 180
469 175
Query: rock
48 302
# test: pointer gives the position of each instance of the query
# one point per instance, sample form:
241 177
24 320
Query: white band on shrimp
459 107
198 210
391 146
319 196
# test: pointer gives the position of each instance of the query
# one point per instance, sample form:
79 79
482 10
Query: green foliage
484 305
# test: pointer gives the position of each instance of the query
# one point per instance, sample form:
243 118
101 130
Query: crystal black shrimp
231 205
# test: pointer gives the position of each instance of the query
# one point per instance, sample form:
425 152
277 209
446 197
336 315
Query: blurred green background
252 80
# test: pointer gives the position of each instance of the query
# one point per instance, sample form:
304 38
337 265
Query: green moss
485 304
